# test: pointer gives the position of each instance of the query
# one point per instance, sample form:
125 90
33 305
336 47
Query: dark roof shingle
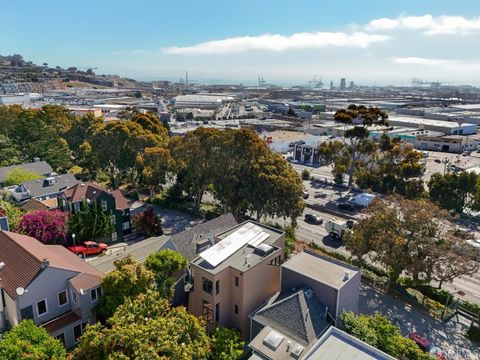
298 315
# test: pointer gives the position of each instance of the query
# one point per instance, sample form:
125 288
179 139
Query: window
207 285
113 220
217 287
235 309
104 205
42 307
26 313
207 312
76 207
126 225
61 337
78 330
95 294
217 312
237 281
114 236
74 296
62 298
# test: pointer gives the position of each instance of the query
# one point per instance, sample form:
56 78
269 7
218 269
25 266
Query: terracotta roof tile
61 321
84 282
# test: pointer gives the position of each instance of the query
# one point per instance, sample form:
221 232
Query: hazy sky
378 41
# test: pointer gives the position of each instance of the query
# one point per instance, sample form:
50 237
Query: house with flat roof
336 284
337 344
314 291
48 284
233 277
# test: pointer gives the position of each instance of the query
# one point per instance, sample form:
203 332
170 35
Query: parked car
89 248
346 206
427 346
305 195
319 194
313 219
438 161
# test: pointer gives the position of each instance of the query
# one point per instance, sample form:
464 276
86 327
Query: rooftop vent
263 249
247 260
309 293
296 351
273 340
203 244
346 275
2 265
49 181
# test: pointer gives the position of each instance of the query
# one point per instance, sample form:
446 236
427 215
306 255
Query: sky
370 41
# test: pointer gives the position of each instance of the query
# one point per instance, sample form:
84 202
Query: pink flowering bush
44 225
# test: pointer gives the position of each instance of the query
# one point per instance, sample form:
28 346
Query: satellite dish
20 291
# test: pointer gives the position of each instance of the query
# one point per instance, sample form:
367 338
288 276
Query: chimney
289 344
45 263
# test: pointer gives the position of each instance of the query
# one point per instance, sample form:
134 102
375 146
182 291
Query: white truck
336 228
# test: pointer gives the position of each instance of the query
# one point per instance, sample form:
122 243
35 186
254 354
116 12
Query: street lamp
74 246
445 161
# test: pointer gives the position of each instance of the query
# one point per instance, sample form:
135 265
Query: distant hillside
15 69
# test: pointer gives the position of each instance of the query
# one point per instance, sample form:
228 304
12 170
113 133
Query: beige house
236 275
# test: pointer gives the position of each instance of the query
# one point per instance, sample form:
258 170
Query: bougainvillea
50 227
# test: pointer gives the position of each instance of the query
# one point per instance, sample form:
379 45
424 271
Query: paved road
447 336
139 250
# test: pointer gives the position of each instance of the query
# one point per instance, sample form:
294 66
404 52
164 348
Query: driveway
173 221
447 336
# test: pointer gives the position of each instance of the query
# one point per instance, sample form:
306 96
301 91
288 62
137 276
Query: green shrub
473 333
305 174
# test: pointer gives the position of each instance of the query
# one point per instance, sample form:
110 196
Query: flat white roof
422 121
249 233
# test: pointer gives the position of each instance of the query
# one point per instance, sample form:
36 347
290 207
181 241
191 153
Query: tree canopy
13 213
244 174
165 264
128 280
455 191
29 341
226 344
414 236
377 331
357 121
19 175
115 146
146 327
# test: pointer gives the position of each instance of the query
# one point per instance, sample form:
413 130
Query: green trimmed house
73 199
